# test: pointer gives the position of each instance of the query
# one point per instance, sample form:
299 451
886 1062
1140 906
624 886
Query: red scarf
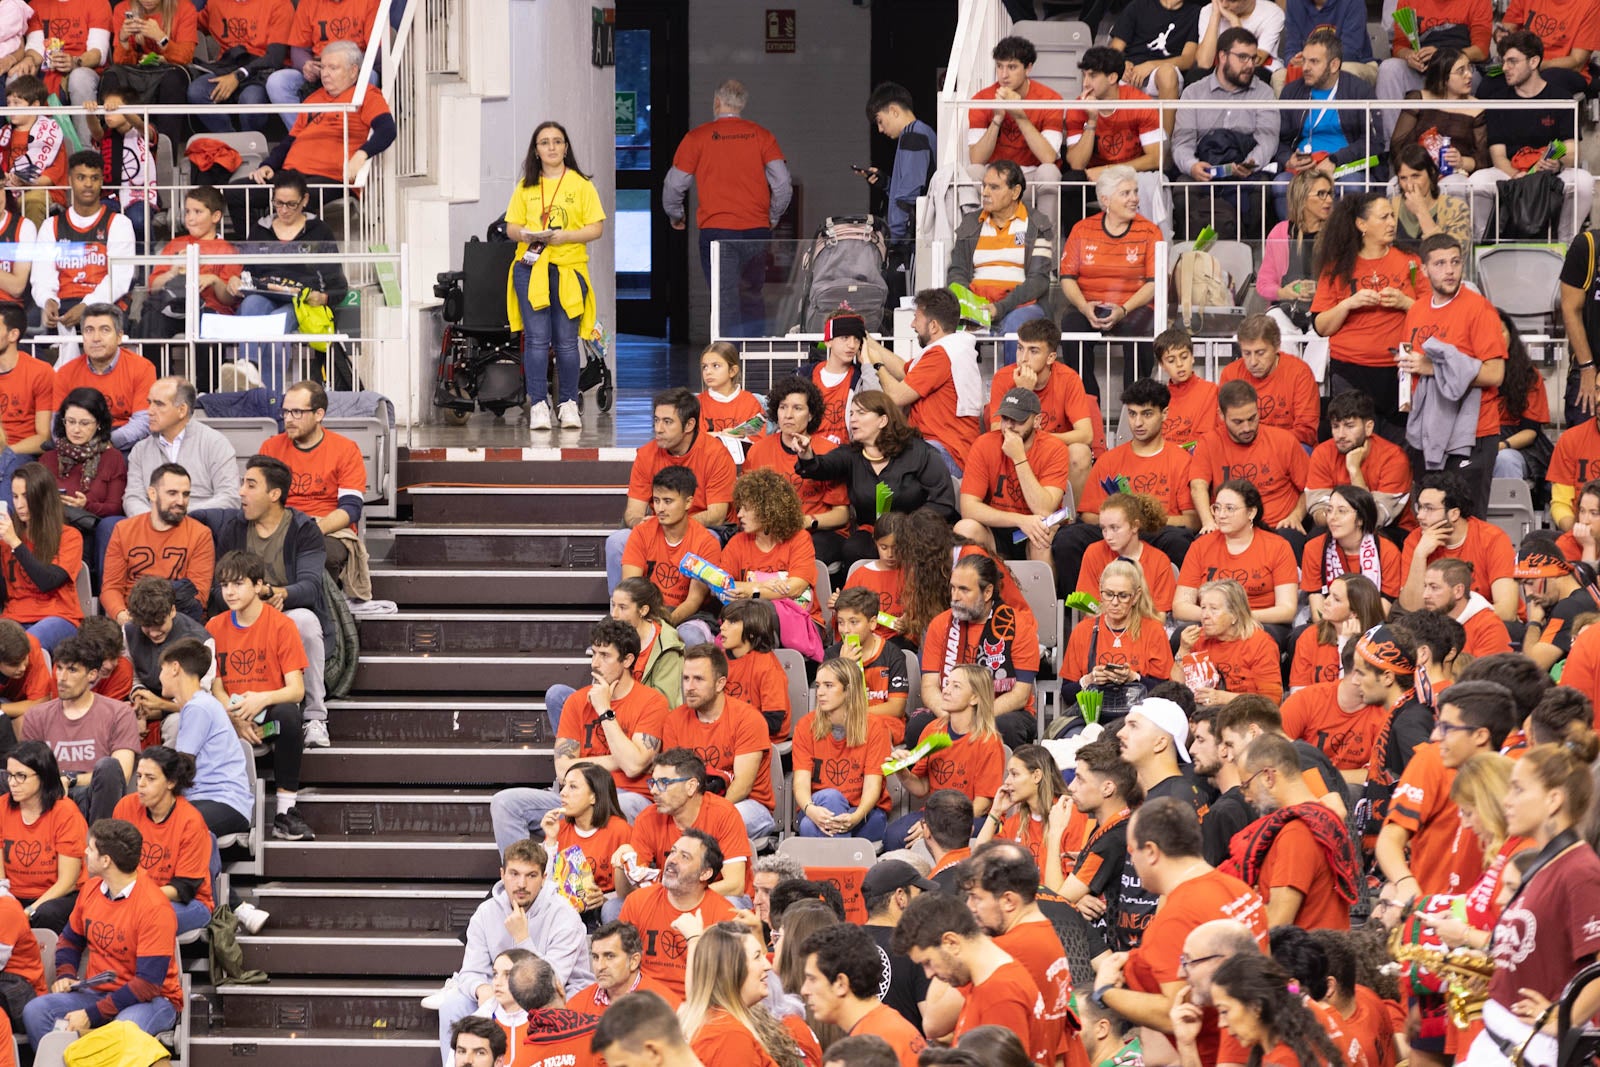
1249 848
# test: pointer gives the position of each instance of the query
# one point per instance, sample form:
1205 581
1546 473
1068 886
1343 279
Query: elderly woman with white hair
1108 276
309 38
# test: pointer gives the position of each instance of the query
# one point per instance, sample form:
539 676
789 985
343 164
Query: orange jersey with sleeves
1295 861
1148 654
712 466
718 415
974 766
1266 563
1470 323
1155 565
181 35
18 939
641 711
738 731
316 22
1110 268
25 390
794 558
1274 463
1120 136
1369 1024
832 428
654 834
658 559
592 1000
37 682
119 683
816 497
319 474
883 1021
1385 470
1486 547
1010 591
991 475
1486 634
1313 565
1037 946
1286 398
1007 643
139 550
140 924
886 582
1062 399
1314 662
177 847
1192 412
835 765
256 658
723 1041
759 680
1535 408
1369 335
728 158
598 845
1164 475
70 21
1248 665
26 602
1009 142
1445 855
1576 458
1213 895
209 246
321 145
934 413
666 953
126 386
32 852
248 24
1313 715
1009 998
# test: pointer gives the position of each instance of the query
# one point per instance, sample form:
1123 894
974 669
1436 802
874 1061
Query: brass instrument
1466 971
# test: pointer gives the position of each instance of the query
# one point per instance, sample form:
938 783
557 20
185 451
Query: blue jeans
102 541
894 836
271 358
51 631
871 828
1014 318
1509 463
136 212
205 114
944 454
517 811
540 328
554 699
744 267
9 462
191 916
758 821
616 544
40 1014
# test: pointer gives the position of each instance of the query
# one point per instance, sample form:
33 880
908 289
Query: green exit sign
627 114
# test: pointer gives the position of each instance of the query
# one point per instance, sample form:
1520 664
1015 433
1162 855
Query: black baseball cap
889 875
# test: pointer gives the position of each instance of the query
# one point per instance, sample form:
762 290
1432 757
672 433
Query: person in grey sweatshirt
523 911
176 436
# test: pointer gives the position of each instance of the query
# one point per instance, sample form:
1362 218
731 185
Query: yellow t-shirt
572 202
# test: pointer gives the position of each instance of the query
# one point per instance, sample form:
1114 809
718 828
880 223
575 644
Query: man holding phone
1234 137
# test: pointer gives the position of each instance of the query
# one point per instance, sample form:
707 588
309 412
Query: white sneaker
251 917
569 415
539 416
435 1000
316 733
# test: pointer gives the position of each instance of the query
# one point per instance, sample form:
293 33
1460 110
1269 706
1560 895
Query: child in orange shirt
1193 411
202 217
725 408
748 636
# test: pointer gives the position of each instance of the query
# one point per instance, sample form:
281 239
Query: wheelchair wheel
603 397
452 417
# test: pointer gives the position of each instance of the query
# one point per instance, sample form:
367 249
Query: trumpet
1466 972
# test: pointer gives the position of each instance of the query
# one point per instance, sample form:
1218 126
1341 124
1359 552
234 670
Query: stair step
561 547
401 812
432 719
408 856
460 585
386 763
550 633
303 952
475 505
331 1004
513 673
441 475
314 1048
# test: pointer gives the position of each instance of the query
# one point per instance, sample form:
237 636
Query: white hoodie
555 934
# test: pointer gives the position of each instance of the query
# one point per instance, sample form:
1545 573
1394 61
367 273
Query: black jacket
304 558
1352 122
918 478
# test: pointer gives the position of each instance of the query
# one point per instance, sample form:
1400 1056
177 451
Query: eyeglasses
1226 509
1187 962
1245 785
1106 594
80 424
1322 194
295 413
661 785
1442 729
286 205
1243 57
19 776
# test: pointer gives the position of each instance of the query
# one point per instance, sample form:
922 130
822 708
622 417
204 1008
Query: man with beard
1286 390
980 629
330 478
1333 717
1447 588
1454 344
1355 455
1015 478
1231 138
1154 740
1230 812
1298 854
1554 599
1065 410
681 805
176 436
1103 885
1447 527
119 374
670 915
1268 457
941 387
1207 947
1322 139
161 543
727 733
1386 668
94 738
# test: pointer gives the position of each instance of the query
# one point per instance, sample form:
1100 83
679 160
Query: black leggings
221 819
288 746
53 914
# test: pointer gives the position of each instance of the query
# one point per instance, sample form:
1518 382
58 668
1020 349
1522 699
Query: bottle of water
1444 167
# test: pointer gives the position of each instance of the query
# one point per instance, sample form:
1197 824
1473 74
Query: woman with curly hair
795 404
1125 520
771 557
722 1015
1266 1011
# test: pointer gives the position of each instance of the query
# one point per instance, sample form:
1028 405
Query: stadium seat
782 795
1523 280
823 591
1511 508
244 433
85 587
377 443
1061 46
1038 584
829 851
47 949
252 147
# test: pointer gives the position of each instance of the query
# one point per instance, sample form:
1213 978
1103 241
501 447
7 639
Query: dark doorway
910 45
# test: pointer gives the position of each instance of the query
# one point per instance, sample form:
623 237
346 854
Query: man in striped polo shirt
1003 253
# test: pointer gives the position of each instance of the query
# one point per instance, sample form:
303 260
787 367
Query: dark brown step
588 504
295 952
428 473
464 586
398 856
385 763
314 1048
426 719
331 1005
398 908
549 633
397 812
484 673
581 548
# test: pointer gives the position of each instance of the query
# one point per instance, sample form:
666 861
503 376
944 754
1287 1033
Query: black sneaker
289 826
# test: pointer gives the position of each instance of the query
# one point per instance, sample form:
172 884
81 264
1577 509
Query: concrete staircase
497 588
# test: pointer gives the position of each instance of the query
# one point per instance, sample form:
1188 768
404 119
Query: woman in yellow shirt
553 215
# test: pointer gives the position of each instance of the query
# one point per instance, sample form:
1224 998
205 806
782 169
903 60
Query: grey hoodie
555 934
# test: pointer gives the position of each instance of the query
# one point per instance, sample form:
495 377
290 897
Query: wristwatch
608 715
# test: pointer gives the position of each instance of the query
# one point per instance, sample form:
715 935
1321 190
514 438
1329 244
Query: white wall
813 101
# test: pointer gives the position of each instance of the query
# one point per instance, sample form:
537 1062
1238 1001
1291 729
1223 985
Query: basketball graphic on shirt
242 662
942 771
341 28
301 483
103 935
1149 483
1249 472
672 945
25 853
1266 406
839 770
1003 624
153 856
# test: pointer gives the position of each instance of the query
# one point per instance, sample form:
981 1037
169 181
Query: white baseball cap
1167 717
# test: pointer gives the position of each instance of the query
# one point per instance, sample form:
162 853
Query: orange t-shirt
209 246
1193 411
322 144
836 765
886 581
712 466
36 682
816 497
248 24
119 683
316 22
723 1041
1010 999
1249 665
1296 861
256 658
1037 946
1486 634
1486 547
1445 855
794 558
178 847
1314 662
666 954
835 397
1062 401
650 551
1575 460
728 158
1266 563
32 852
975 767
1109 268
25 390
138 549
991 476
126 386
71 21
182 35
717 415
26 602
1369 1024
1155 564
1368 336
738 731
1149 654
1164 476
1010 142
759 680
654 834
15 936
1562 25
1120 136
592 1000
1469 322
1313 715
141 924
883 1021
598 845
1385 470
321 473
1312 565
1286 398
934 413
641 711
1274 463
1213 895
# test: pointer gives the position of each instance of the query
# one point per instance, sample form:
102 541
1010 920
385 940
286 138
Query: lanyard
549 205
